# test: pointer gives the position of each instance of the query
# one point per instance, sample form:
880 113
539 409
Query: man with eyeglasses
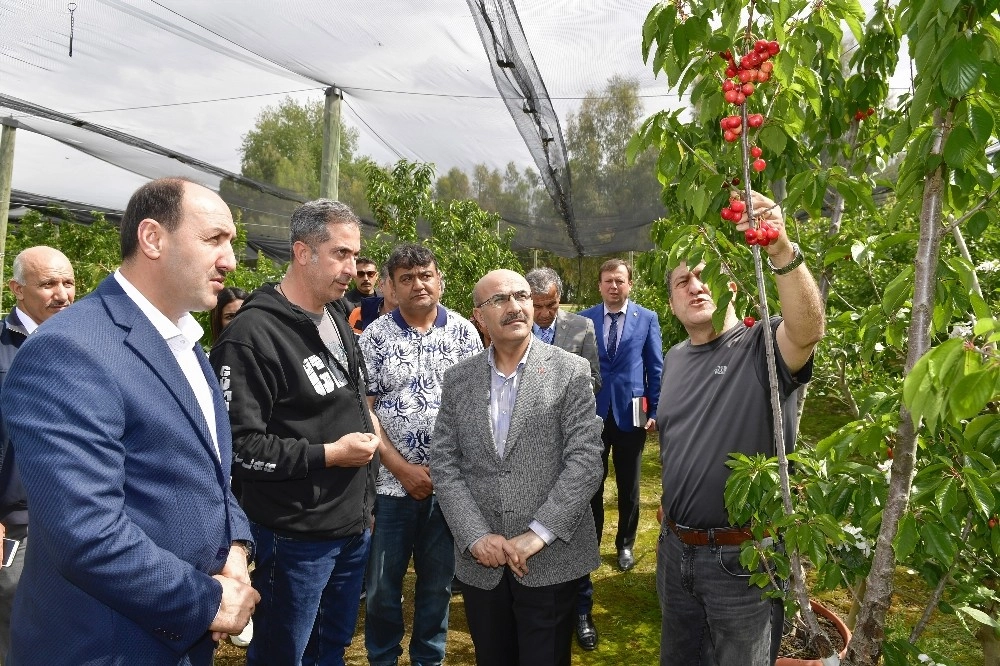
364 283
631 352
407 354
515 459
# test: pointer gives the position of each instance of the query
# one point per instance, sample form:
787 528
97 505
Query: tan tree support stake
330 172
6 174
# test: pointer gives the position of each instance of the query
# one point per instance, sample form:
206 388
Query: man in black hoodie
304 442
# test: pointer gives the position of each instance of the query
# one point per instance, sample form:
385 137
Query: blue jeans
309 597
711 615
403 527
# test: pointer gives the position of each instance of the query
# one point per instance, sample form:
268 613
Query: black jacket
13 498
283 406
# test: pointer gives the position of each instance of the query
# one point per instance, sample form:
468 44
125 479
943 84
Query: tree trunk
866 645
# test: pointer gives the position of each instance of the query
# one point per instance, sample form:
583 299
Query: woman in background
230 300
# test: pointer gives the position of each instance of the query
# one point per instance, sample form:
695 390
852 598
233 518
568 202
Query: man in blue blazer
631 352
139 550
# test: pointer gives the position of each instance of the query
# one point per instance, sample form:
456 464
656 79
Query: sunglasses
367 274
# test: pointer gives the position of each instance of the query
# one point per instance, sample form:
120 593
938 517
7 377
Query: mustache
514 316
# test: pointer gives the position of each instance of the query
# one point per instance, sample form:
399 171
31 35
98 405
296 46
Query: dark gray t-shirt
715 400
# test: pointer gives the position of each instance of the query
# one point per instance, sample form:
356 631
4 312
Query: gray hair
541 279
310 221
18 268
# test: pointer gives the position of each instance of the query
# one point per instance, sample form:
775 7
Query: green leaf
961 68
978 615
939 543
961 149
906 538
897 291
946 495
977 224
980 121
979 493
774 139
971 393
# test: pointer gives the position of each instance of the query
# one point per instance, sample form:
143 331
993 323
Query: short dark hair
226 296
409 255
541 279
310 221
613 265
365 260
161 200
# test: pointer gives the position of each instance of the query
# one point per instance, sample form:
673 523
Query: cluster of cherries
754 67
860 115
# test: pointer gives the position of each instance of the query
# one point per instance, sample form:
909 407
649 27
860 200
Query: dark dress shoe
625 559
586 632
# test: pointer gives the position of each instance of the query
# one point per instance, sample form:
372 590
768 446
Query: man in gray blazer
515 459
557 327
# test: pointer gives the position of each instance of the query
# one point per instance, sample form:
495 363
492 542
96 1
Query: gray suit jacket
576 335
550 470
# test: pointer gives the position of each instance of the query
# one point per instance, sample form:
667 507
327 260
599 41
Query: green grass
626 610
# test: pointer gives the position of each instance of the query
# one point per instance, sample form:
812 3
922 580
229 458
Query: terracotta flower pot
842 629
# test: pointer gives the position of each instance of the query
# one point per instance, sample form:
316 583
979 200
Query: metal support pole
6 176
330 173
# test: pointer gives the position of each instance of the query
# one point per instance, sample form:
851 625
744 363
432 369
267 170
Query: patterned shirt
405 370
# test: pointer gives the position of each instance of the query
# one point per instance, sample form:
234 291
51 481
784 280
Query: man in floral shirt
406 352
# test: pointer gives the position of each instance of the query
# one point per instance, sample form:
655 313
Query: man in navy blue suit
139 550
631 353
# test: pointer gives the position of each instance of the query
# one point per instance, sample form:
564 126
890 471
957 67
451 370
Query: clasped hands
495 551
238 598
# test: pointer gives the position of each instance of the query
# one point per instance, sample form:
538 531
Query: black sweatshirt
284 405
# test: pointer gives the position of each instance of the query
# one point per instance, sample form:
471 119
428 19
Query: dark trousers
517 625
625 448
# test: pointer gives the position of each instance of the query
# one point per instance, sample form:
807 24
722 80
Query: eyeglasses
500 300
367 274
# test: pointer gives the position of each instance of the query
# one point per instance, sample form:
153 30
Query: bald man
515 458
43 284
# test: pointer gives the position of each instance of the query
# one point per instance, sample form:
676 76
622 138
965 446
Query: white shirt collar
26 321
187 326
623 310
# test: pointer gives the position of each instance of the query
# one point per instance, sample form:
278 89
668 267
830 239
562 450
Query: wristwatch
797 259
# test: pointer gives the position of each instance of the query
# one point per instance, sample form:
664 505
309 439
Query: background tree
461 234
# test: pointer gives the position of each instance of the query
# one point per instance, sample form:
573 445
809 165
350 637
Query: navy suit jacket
131 509
636 368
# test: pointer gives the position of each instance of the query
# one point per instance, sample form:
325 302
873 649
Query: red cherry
731 96
760 46
730 136
748 321
735 122
755 59
726 214
772 233
759 164
992 523
767 67
859 115
755 120
730 71
763 76
740 98
755 151
726 55
888 454
751 236
747 89
737 206
746 75
728 85
773 48
870 112
736 181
